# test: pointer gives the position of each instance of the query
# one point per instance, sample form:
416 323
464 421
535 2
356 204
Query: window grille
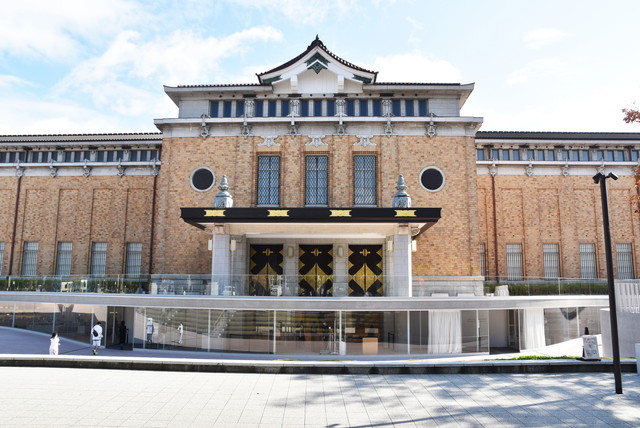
268 180
624 257
514 262
588 260
364 175
98 258
63 259
1 256
483 259
133 259
551 260
317 175
30 258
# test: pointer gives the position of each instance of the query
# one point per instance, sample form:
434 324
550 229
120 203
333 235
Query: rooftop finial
401 199
223 199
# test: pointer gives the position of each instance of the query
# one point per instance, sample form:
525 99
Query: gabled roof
317 61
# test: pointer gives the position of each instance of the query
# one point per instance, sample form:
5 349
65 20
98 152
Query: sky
78 66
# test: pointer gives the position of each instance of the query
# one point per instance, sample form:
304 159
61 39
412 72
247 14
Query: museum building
315 211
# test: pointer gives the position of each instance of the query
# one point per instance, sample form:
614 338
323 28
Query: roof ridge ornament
401 199
223 199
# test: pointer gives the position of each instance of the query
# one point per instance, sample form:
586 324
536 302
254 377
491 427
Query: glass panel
364 108
514 262
133 258
551 260
422 108
588 260
480 154
561 324
272 108
408 106
63 260
316 180
214 109
30 258
268 180
331 108
98 258
624 258
317 108
351 108
364 180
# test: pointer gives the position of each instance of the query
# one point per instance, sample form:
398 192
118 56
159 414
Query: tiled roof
414 84
83 137
317 43
526 135
221 85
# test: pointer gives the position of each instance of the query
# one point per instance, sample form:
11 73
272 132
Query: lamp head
612 175
597 177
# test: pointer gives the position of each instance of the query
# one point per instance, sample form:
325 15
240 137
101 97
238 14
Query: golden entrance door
365 270
315 269
265 264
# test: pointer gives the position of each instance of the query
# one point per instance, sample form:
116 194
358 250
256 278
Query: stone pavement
32 397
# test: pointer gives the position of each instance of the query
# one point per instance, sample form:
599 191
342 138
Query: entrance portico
312 251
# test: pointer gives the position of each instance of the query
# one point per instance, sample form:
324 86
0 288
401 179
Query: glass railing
533 286
304 285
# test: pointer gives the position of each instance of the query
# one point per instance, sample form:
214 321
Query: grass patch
535 357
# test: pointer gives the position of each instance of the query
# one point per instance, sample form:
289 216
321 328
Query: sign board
590 346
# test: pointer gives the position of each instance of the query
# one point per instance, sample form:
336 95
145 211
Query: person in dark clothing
122 333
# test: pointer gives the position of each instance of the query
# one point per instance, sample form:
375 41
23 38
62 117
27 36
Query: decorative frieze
316 141
269 142
364 141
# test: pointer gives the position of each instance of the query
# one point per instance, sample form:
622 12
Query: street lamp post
600 178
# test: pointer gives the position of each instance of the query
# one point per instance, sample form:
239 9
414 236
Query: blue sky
77 66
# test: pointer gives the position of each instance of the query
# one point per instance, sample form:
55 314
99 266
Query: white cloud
24 114
541 37
301 11
7 81
414 67
57 30
539 68
128 77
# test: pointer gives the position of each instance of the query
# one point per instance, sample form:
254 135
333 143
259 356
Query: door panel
265 261
315 269
365 270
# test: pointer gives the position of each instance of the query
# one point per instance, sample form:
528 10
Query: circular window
202 179
432 178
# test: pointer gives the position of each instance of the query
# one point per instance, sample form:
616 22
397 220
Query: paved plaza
80 397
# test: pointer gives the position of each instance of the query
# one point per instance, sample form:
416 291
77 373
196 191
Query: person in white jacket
96 337
55 344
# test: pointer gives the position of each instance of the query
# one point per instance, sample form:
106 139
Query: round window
432 178
202 179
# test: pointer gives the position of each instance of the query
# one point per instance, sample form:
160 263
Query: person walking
55 344
122 333
96 337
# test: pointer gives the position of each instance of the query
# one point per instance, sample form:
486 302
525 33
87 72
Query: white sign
590 346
